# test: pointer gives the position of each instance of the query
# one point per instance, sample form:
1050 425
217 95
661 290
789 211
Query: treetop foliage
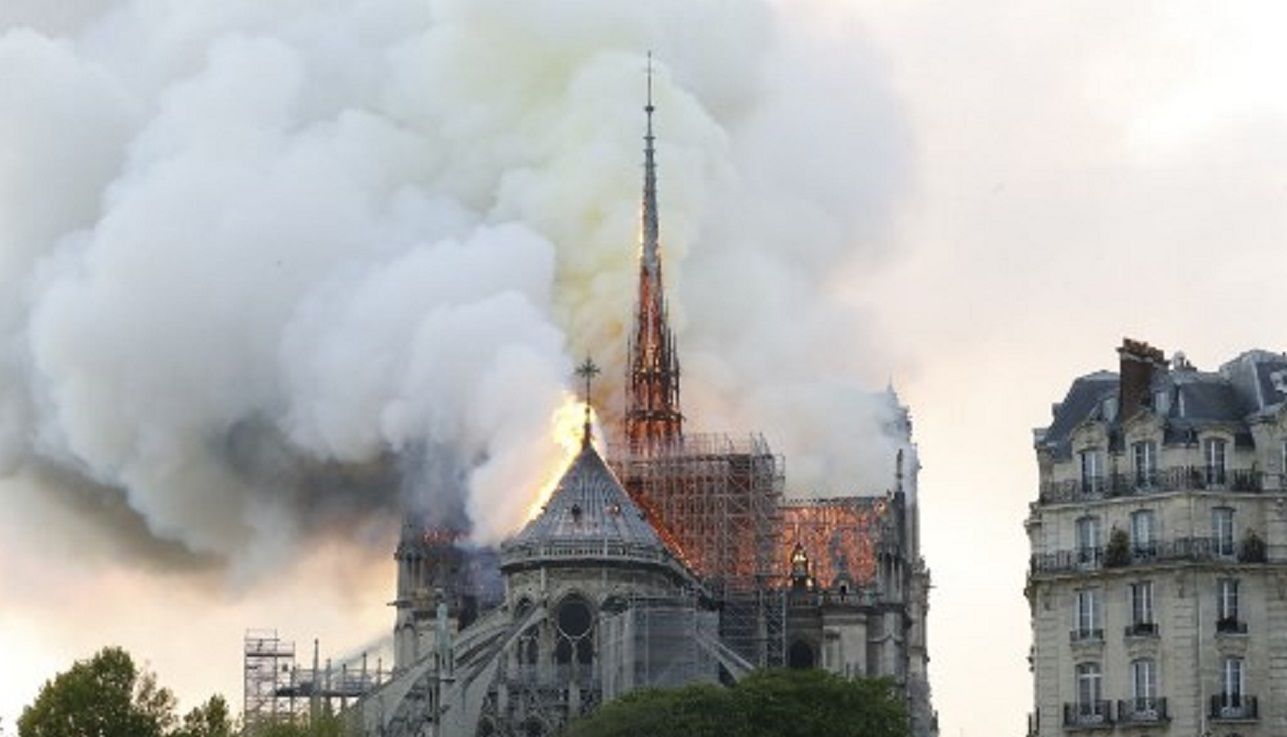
773 703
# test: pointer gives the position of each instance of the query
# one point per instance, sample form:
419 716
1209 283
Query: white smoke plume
250 251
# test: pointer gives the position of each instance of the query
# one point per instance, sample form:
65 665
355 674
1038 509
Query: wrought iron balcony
1089 715
1169 551
1231 626
1142 629
1142 711
1151 481
1234 708
1086 634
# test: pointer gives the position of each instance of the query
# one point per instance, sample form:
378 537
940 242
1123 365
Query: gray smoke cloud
254 256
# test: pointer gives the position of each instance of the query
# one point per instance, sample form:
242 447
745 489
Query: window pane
1222 530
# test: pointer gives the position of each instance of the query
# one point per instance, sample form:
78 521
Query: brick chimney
1140 362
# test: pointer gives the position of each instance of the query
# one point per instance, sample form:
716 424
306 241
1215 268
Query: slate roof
1254 383
589 516
1084 398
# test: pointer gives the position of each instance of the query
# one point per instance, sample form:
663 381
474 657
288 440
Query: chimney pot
1139 363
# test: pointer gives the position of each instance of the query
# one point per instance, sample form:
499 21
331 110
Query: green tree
211 719
327 724
774 703
105 696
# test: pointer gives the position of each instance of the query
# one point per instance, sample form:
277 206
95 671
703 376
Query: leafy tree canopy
211 719
109 696
105 696
774 703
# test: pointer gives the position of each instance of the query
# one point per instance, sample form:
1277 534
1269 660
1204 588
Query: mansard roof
1250 386
589 516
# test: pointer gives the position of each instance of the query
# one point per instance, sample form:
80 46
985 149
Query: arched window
1144 686
800 656
528 646
1090 704
574 625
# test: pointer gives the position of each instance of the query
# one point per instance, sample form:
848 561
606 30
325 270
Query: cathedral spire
652 418
651 229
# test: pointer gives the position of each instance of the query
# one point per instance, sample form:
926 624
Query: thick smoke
252 255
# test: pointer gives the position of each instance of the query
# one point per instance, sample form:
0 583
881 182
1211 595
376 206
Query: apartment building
1158 576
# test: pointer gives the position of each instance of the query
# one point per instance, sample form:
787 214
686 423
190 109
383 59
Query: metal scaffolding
716 501
276 689
656 643
268 663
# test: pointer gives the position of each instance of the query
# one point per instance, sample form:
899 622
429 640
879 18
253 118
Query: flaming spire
652 418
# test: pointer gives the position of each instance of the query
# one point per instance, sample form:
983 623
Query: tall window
1162 402
1282 468
1088 540
1143 541
1145 456
1233 682
1222 531
1282 471
1092 471
1142 604
1213 457
1227 605
1144 685
1089 691
1086 615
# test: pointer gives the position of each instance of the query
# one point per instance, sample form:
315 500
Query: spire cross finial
587 371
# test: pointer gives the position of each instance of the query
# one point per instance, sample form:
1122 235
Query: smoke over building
674 559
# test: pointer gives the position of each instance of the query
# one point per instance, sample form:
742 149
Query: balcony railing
1086 634
1234 708
1179 478
1142 711
1089 715
1231 626
1169 551
1142 629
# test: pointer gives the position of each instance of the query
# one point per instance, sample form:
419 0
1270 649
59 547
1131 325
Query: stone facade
1157 584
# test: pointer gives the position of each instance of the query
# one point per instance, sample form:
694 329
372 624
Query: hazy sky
1066 174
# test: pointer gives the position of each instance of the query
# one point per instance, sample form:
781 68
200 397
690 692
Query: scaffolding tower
716 501
268 663
276 689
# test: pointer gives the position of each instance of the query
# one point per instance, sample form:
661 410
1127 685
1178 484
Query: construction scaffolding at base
276 689
716 502
656 643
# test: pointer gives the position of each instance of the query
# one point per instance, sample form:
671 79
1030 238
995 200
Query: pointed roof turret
589 517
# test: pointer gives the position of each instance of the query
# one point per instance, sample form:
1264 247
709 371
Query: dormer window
1144 454
1092 471
1110 409
1162 402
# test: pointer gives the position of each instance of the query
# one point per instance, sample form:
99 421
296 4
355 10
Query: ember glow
839 537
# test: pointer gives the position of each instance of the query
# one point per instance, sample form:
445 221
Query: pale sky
1080 172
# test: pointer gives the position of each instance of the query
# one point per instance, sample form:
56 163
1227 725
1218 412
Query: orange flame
566 426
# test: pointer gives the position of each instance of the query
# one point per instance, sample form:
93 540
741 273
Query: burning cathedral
672 558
